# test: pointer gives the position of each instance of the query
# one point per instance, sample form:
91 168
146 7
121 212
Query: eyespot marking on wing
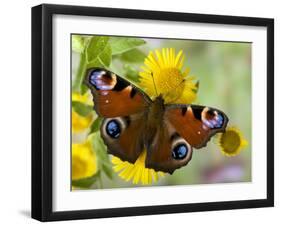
102 80
113 127
181 149
212 118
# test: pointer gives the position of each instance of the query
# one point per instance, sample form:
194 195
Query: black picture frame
42 107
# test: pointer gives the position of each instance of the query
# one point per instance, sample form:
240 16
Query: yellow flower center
230 141
168 80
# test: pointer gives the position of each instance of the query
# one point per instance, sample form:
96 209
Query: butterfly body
153 118
134 123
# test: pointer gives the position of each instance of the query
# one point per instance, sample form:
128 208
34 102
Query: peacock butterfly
133 122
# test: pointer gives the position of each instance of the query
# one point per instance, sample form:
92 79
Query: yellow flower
84 162
162 74
231 141
136 172
85 98
80 123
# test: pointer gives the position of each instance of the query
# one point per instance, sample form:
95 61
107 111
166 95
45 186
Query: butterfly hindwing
196 124
168 151
113 95
123 136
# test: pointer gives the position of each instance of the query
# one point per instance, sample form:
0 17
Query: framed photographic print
147 112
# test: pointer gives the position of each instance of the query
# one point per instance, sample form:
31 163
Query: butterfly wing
122 106
114 96
123 136
168 151
184 127
196 124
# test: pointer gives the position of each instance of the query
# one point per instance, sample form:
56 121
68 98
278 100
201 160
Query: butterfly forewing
196 124
114 96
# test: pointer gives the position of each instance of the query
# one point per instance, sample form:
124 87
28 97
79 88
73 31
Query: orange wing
113 96
196 124
123 136
168 151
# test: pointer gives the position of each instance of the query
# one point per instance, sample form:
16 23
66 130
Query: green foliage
133 56
78 43
121 45
97 51
104 163
86 182
96 125
78 81
131 73
82 109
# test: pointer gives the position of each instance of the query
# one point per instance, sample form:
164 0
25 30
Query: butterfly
132 122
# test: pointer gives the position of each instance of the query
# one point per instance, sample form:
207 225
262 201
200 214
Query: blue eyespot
113 129
180 151
213 120
95 76
101 79
219 121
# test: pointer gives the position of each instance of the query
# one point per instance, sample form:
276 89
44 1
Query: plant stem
80 73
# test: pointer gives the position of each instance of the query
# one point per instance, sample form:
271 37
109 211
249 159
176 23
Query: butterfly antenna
154 84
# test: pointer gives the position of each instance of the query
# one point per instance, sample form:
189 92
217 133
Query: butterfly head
159 100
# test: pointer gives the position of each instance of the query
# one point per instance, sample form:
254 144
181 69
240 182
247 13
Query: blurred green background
224 72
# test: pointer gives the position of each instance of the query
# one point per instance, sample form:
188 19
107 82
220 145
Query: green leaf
80 73
78 43
82 109
107 169
133 56
98 145
86 182
121 45
96 125
99 52
83 88
95 63
103 60
104 163
131 73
